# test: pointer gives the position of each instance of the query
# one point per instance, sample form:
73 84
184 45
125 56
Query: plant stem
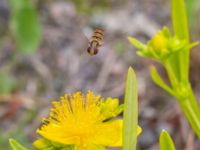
191 110
185 96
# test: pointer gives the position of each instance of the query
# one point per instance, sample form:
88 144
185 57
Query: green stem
186 99
191 110
171 74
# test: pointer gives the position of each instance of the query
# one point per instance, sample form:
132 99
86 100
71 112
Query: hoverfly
94 38
96 41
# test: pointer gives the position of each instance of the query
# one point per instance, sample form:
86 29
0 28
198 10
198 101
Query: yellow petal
58 136
139 130
110 133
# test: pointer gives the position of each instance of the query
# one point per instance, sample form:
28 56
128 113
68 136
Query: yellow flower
159 42
84 121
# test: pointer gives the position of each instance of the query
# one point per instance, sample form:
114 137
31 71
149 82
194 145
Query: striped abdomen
96 41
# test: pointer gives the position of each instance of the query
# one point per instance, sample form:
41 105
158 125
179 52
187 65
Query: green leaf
157 79
25 26
194 44
179 19
130 116
7 83
180 26
139 45
166 32
17 5
165 141
15 145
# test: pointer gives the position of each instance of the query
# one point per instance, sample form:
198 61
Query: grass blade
130 112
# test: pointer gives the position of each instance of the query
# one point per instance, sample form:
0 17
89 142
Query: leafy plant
173 53
25 26
170 50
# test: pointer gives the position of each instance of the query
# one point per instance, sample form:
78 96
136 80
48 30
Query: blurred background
44 55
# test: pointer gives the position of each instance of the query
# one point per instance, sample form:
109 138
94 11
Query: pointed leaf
130 112
165 141
15 145
194 44
157 79
139 45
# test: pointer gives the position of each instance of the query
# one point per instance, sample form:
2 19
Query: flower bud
159 42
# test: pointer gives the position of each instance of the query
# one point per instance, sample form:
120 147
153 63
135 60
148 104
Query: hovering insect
96 41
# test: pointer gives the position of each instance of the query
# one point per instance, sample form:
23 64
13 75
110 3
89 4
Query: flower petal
57 135
110 134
